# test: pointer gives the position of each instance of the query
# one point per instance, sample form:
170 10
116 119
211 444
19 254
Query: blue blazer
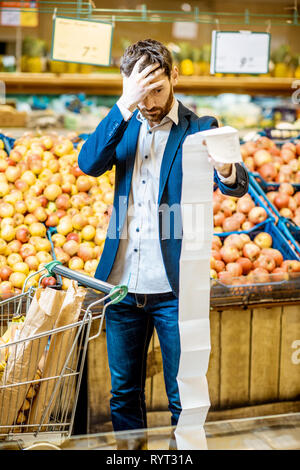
114 142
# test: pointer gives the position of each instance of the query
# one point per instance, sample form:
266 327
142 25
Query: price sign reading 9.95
81 41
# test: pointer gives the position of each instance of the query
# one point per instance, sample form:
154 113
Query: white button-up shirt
139 263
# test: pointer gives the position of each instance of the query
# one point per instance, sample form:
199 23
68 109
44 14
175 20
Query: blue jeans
129 327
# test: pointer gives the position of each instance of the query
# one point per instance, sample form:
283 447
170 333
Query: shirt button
150 132
143 181
146 156
135 250
137 230
140 204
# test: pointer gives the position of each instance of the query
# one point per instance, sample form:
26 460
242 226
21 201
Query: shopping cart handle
117 293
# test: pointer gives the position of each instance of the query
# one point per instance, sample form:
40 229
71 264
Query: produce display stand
65 382
111 84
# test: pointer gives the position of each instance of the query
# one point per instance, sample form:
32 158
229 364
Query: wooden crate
254 366
13 118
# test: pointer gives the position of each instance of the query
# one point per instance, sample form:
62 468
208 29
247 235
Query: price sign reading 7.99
81 41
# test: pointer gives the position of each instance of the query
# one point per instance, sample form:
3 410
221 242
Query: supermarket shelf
111 84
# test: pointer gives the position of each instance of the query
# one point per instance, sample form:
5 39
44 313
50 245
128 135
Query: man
142 136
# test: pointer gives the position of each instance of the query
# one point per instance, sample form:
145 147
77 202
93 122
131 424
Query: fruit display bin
281 135
258 202
266 185
242 293
9 141
287 226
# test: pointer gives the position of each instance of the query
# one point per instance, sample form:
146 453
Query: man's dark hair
155 52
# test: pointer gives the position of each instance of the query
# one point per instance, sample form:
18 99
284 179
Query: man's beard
159 113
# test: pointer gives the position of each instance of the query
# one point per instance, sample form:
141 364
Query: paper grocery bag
24 357
57 355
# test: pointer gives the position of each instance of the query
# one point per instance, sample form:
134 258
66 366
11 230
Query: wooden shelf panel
111 84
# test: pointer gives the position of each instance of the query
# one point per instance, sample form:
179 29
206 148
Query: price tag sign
11 14
240 52
81 41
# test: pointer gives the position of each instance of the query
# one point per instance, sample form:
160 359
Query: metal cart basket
58 417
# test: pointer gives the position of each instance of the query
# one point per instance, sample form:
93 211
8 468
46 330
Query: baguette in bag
24 357
59 348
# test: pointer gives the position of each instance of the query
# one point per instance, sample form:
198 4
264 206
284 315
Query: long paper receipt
223 144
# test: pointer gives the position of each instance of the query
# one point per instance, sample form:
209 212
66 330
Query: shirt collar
172 115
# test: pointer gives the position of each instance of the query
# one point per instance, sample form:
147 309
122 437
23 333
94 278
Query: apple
48 281
52 220
245 204
219 265
249 162
234 240
63 202
17 279
261 157
287 155
258 275
245 264
240 217
52 191
250 147
216 254
225 277
268 171
6 289
291 266
216 242
85 252
279 274
292 205
247 225
74 236
264 142
286 212
230 224
251 251
229 254
263 240
76 263
32 262
286 188
257 215
235 269
71 247
266 262
22 234
216 207
27 249
228 206
219 218
5 272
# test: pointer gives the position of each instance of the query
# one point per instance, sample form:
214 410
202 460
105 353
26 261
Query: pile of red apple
274 164
42 186
240 260
233 214
286 201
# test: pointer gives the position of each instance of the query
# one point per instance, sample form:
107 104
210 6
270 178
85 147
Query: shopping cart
57 420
